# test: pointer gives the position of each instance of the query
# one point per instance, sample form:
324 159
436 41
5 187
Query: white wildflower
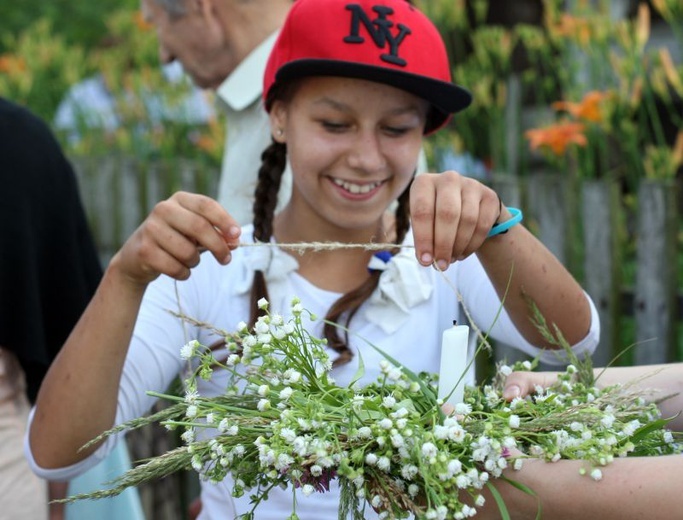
463 409
262 304
263 405
188 350
409 471
364 432
307 489
389 402
384 464
386 424
292 376
429 450
514 421
371 459
288 435
596 474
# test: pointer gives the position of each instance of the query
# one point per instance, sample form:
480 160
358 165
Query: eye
396 131
333 126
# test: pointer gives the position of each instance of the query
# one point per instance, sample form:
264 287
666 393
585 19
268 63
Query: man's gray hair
173 7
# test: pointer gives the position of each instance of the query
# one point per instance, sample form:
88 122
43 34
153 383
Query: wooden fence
625 255
585 224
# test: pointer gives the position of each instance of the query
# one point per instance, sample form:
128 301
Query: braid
350 302
403 215
273 163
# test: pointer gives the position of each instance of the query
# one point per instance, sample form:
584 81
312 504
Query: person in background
91 104
49 270
223 45
351 89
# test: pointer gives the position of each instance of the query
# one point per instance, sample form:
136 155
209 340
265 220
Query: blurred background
577 119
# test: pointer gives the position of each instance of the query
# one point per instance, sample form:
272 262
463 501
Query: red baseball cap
387 41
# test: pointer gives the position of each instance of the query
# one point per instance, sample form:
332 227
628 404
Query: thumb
521 384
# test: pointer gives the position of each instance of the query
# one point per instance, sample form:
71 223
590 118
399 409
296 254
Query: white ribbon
403 283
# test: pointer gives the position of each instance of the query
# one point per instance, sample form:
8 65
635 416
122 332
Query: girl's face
353 146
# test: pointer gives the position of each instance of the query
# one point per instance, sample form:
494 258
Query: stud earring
279 132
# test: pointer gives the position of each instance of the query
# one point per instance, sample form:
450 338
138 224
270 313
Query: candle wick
455 322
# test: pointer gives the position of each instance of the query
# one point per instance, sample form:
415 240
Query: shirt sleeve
152 364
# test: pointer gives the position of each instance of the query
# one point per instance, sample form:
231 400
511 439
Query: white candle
453 363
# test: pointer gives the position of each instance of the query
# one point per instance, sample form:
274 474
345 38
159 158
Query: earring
279 132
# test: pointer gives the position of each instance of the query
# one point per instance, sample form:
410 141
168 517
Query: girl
351 88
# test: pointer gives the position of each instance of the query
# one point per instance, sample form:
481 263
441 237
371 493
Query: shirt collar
245 85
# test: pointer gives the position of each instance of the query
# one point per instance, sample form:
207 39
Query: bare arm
78 397
664 380
452 216
631 488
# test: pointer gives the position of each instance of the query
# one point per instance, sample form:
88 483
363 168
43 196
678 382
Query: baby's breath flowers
284 422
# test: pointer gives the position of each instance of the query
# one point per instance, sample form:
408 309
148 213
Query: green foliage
42 63
80 22
40 69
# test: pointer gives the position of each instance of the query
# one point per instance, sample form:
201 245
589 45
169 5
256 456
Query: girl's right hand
172 237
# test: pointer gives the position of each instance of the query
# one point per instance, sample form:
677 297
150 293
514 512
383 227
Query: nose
366 153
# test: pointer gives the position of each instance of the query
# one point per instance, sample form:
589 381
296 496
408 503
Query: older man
223 45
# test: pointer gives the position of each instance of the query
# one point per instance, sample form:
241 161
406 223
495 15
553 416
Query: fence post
655 291
601 216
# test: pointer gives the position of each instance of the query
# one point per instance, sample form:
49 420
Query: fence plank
547 210
600 216
655 292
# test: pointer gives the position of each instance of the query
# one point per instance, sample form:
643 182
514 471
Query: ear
278 121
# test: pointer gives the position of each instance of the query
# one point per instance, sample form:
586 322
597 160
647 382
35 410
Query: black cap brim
446 98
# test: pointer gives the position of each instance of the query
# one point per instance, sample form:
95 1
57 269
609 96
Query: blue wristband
504 226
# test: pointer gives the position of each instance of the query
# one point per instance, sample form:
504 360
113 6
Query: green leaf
360 372
505 515
525 489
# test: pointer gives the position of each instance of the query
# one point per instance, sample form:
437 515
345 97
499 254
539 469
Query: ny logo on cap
379 30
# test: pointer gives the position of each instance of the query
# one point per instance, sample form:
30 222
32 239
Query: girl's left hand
451 216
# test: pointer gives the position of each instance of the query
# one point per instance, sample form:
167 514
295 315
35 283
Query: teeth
356 188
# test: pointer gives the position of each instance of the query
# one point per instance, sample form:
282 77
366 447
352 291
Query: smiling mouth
354 188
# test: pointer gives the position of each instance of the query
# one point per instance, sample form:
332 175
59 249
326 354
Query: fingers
172 237
451 216
521 384
203 221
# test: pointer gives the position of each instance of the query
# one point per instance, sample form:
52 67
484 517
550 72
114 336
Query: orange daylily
557 137
141 23
574 27
10 63
588 109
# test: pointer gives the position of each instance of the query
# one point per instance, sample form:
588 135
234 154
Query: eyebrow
343 107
